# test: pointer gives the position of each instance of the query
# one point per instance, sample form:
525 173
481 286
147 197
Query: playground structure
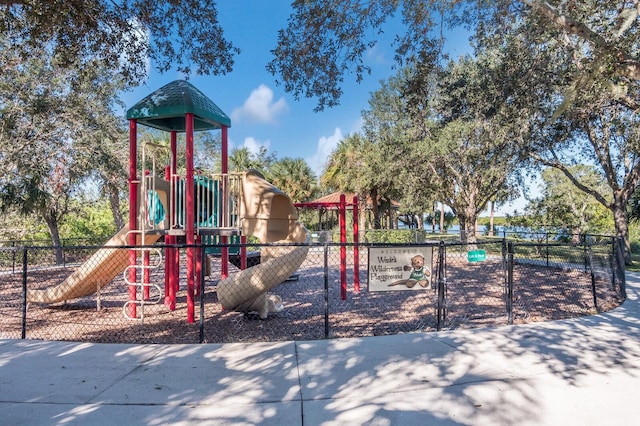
185 209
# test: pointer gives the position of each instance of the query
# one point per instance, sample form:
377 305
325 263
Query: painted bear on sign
419 273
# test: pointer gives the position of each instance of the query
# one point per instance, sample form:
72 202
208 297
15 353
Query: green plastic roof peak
165 109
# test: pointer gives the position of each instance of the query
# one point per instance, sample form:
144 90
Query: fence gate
471 285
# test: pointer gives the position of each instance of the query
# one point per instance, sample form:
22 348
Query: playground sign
400 268
476 255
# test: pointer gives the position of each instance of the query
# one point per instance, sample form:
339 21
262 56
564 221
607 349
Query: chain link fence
316 291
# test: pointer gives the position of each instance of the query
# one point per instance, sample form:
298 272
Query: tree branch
626 66
558 165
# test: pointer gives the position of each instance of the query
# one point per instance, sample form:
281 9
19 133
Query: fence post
547 248
593 279
441 286
621 268
356 247
343 246
24 293
203 270
510 251
13 257
326 291
504 268
64 253
613 263
504 257
583 237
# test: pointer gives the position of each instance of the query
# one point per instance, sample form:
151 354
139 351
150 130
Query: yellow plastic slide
268 214
98 271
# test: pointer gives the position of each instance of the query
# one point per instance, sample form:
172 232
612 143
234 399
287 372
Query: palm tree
242 159
345 165
294 177
355 166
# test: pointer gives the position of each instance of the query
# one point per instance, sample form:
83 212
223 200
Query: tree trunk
434 209
622 226
468 228
491 214
463 229
362 215
441 218
54 231
114 203
375 209
576 235
472 230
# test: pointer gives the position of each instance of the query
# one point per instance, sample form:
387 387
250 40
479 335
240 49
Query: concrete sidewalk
584 371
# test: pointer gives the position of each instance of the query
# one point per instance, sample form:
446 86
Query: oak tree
326 41
186 34
57 128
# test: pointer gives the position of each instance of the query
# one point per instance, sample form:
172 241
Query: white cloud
260 107
253 145
357 126
326 145
376 55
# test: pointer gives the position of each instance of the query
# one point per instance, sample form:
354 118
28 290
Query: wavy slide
98 271
268 214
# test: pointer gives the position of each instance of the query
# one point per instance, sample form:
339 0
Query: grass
635 266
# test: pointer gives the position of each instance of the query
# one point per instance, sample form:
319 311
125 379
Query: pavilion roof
335 198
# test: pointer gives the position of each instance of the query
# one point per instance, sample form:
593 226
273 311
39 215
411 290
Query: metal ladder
140 268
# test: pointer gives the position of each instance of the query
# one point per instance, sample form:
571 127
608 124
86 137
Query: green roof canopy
165 109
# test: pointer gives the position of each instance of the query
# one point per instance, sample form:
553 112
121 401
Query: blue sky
262 113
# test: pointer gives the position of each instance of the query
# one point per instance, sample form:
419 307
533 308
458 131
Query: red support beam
356 250
175 279
317 205
133 214
169 270
343 247
224 240
190 218
225 150
199 265
243 252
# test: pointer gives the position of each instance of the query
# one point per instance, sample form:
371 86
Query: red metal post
356 249
225 150
199 265
224 250
133 214
168 272
190 218
168 251
146 258
343 247
243 252
175 276
224 257
146 276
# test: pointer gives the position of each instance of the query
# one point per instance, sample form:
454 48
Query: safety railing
162 208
